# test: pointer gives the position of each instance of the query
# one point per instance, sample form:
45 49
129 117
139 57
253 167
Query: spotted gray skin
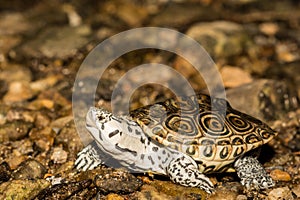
124 140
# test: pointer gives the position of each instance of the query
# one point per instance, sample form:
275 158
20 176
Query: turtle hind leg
252 173
88 158
185 172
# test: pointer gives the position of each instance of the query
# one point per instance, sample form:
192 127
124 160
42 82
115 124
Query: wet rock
29 169
15 130
230 190
219 36
13 23
43 138
7 42
59 155
185 13
263 99
45 83
17 92
150 192
118 181
22 147
279 175
241 197
280 193
20 114
62 191
53 42
59 123
114 197
15 73
175 191
69 138
5 172
22 189
234 76
132 14
87 193
42 120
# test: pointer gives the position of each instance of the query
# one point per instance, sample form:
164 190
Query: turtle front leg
185 172
252 173
88 158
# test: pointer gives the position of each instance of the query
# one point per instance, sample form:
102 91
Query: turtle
184 138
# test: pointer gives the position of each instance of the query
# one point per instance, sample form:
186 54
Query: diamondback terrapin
183 139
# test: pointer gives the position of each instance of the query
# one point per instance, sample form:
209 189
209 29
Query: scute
195 127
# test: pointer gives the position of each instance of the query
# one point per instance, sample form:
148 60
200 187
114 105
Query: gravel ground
255 45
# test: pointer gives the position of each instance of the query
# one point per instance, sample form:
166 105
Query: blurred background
254 43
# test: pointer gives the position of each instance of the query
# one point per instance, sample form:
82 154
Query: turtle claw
88 158
252 173
185 172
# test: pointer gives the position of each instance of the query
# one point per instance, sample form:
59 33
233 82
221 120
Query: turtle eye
100 118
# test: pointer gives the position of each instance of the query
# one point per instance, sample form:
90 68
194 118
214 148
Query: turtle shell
207 129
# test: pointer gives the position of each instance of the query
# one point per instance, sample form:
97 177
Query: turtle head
103 125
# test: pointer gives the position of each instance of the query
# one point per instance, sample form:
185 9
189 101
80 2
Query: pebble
279 175
234 76
15 73
218 37
280 194
15 130
114 197
29 169
62 191
22 189
56 42
150 192
265 101
118 181
184 13
5 172
59 155
45 83
18 91
43 139
130 13
13 23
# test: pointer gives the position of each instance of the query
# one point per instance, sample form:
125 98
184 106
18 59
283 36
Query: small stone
14 160
118 181
63 191
114 197
69 138
43 138
18 91
269 28
234 76
45 83
15 130
13 23
279 175
29 169
56 42
5 172
280 193
22 189
41 103
296 191
59 155
241 197
14 73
